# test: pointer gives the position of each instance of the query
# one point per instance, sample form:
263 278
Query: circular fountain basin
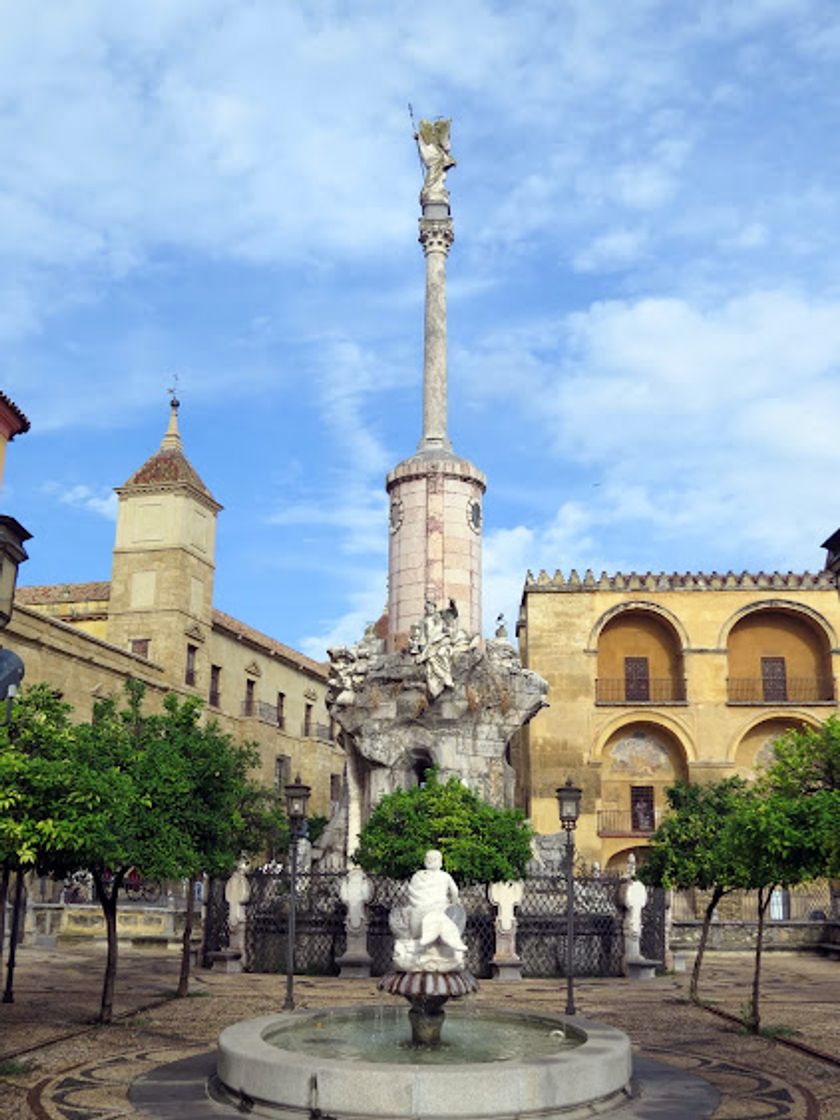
357 1062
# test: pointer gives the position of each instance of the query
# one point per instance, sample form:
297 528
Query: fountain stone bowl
297 1064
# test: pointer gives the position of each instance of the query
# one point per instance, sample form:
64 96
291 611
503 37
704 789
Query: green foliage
691 848
480 844
773 840
14 1067
806 764
39 733
807 760
315 827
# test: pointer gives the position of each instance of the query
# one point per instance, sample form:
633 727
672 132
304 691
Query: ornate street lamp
297 796
12 555
568 804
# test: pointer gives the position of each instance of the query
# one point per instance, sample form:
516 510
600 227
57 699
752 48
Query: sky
644 290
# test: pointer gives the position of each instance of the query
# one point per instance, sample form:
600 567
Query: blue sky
644 291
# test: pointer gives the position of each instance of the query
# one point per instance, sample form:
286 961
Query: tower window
248 706
215 685
307 720
281 709
189 675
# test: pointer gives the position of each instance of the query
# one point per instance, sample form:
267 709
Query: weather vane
173 392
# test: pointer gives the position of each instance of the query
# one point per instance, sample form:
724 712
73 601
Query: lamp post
12 555
568 804
297 796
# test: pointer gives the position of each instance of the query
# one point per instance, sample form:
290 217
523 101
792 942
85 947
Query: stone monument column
436 237
436 514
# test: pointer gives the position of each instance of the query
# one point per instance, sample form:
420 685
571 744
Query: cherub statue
428 931
433 143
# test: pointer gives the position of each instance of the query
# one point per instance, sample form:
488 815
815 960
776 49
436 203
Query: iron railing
793 690
657 690
264 712
541 932
628 822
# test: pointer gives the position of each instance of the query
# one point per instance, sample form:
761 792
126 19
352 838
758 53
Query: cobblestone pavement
54 1065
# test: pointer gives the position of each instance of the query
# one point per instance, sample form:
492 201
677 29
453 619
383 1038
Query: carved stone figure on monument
433 648
433 143
428 931
342 664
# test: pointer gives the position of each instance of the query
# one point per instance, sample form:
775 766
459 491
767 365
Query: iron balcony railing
266 713
323 732
657 690
628 822
793 690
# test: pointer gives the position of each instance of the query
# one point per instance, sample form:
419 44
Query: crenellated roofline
679 581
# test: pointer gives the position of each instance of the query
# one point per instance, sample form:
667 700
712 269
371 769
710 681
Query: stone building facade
654 678
155 621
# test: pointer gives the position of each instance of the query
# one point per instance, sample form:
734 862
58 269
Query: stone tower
436 497
163 561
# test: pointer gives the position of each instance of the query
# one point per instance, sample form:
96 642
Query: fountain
428 950
359 1062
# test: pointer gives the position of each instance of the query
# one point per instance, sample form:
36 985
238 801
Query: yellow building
155 620
653 678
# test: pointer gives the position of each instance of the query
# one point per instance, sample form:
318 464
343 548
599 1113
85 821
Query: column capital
436 235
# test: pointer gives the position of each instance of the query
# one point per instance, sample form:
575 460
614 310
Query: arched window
639 661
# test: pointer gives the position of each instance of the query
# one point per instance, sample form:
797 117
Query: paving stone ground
55 1066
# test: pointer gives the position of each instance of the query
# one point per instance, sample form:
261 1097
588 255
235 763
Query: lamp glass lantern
297 798
12 555
568 804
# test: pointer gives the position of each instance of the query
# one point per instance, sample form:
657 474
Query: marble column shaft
436 236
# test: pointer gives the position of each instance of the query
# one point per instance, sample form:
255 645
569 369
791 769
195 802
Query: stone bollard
237 892
632 896
505 965
355 892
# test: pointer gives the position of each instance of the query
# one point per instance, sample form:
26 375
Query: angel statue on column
436 154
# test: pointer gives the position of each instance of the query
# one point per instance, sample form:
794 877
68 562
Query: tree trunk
184 978
4 894
717 895
754 1022
108 902
14 937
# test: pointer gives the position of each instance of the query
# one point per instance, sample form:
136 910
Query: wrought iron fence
541 934
216 919
319 922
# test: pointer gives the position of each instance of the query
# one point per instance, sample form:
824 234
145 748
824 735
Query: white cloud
612 250
366 605
102 501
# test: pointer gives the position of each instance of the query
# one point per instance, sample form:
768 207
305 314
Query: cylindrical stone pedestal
435 541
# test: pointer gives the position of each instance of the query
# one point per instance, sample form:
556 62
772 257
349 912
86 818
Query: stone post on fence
632 896
505 965
237 892
355 892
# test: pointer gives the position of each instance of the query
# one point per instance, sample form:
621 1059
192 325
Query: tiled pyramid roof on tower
169 464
